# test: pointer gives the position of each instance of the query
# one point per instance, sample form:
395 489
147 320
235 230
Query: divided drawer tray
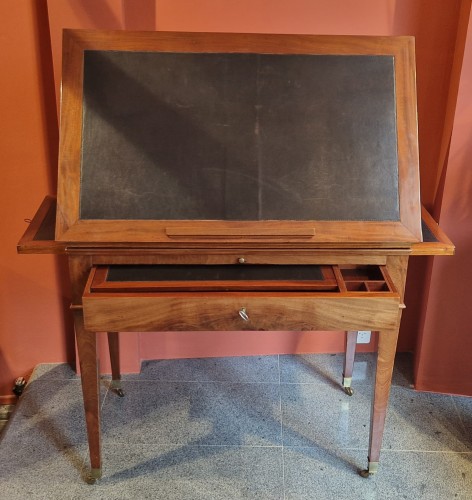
239 297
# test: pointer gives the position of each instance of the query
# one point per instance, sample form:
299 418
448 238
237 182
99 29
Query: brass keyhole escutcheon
243 314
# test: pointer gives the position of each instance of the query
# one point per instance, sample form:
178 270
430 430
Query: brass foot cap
370 471
115 386
349 391
93 476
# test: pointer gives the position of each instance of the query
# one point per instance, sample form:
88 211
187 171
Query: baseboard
8 400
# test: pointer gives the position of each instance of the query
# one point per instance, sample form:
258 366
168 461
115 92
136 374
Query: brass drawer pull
243 314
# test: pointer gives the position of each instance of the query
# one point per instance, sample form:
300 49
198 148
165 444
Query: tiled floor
259 428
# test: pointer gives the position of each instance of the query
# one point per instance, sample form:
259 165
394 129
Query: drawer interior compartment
365 279
254 277
248 277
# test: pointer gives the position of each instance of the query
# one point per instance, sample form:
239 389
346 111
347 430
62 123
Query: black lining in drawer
247 272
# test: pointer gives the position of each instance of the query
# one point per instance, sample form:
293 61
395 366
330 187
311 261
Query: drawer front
239 311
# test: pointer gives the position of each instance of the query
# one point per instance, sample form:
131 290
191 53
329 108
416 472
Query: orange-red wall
444 354
31 303
34 325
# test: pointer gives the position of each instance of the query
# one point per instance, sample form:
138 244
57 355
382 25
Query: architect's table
343 303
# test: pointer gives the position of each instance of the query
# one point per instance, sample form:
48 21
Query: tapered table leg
383 378
349 355
114 348
87 350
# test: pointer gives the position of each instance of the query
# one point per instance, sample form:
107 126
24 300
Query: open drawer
239 297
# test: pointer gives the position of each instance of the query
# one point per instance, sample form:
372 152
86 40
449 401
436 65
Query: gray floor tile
189 472
194 413
216 439
463 406
320 368
328 369
312 473
52 411
44 443
40 469
235 369
315 415
423 421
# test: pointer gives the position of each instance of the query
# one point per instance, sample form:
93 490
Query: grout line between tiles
283 470
367 383
281 425
175 381
104 399
450 452
280 404
189 445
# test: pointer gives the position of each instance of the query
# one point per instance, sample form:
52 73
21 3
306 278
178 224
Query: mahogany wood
443 245
146 253
79 270
328 234
383 377
114 348
270 230
388 338
82 259
89 243
45 216
184 311
87 350
351 340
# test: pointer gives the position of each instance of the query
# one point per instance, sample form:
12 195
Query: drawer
233 298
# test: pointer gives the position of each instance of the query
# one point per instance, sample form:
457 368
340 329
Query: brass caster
90 480
115 386
349 391
93 476
347 385
372 469
119 392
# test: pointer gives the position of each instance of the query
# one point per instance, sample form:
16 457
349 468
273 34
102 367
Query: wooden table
120 308
276 176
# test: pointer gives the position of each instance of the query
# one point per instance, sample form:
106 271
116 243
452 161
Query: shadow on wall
434 25
435 42
136 14
51 126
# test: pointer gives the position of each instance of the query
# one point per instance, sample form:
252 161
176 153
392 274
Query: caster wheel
349 391
365 473
119 392
91 480
115 387
93 476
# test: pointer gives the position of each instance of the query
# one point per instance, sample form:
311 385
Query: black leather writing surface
238 137
253 272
